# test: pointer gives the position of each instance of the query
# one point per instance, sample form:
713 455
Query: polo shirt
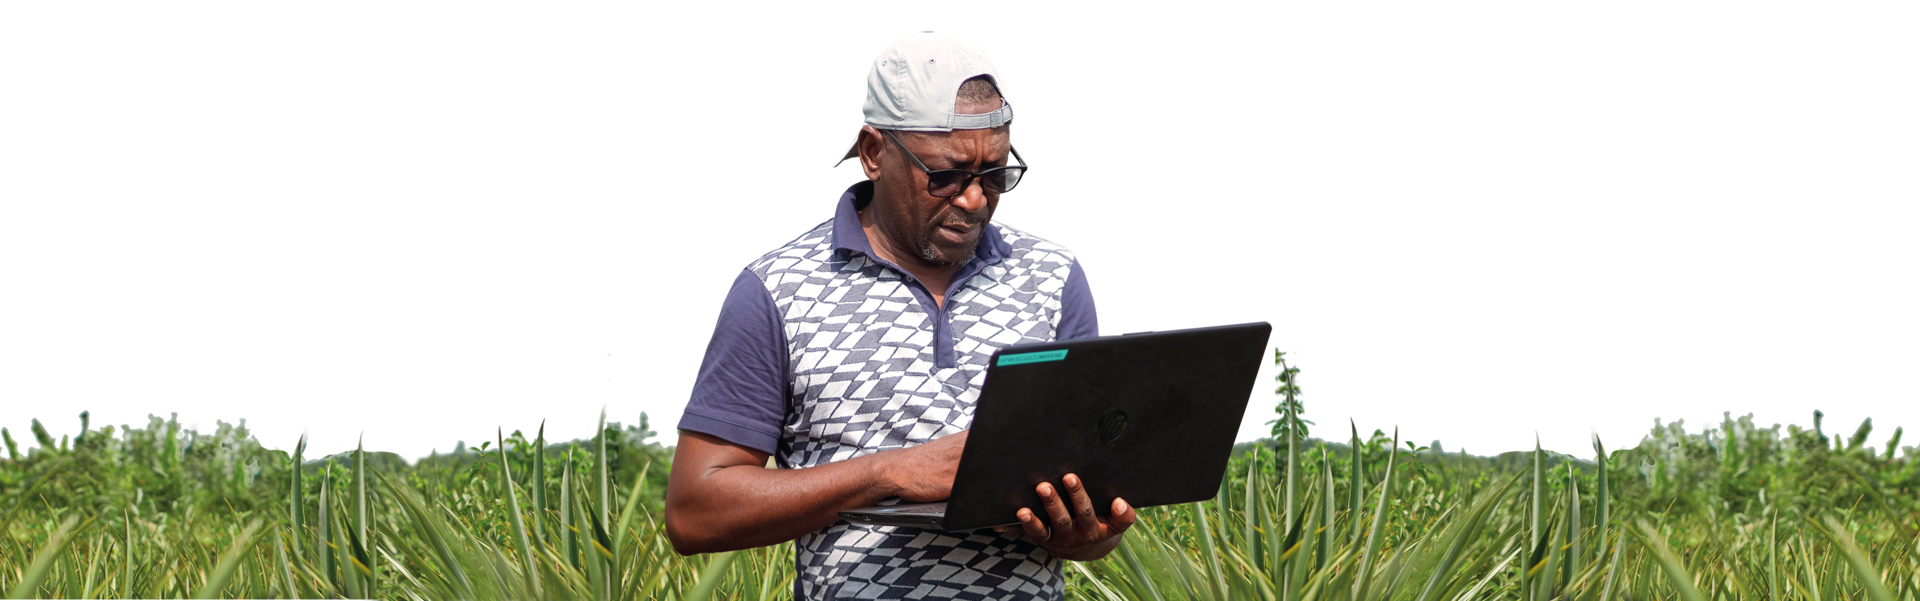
825 352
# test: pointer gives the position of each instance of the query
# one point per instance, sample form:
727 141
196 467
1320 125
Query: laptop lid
1148 417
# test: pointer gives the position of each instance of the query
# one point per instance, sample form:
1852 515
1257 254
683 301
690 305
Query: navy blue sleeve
741 393
1077 316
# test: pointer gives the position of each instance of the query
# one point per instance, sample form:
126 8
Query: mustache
967 220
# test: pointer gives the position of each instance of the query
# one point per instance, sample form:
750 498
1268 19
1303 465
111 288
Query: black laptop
1148 417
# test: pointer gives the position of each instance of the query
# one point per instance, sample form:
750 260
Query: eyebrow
944 161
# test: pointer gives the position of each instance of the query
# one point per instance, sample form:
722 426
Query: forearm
746 506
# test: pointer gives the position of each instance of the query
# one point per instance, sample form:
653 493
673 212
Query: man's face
938 231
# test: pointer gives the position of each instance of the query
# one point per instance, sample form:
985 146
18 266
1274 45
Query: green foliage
1290 406
1735 512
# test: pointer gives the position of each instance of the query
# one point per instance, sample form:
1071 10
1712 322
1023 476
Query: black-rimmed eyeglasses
947 183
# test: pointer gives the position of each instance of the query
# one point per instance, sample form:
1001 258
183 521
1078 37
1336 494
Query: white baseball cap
915 81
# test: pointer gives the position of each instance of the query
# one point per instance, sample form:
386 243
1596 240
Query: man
854 354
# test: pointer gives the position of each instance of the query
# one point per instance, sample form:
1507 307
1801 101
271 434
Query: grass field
1731 512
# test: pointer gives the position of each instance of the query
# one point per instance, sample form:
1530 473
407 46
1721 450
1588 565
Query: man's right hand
924 473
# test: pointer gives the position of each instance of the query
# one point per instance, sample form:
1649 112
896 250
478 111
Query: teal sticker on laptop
1040 357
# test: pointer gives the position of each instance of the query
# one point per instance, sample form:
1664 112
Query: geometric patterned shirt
825 352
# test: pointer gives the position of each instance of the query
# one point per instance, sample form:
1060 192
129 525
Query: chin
946 256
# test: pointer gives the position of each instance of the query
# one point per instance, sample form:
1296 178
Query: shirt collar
849 236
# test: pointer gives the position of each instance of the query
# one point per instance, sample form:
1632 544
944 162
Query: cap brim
852 151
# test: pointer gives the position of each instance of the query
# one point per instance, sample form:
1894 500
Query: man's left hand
1070 529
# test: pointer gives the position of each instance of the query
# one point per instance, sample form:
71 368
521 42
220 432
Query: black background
438 233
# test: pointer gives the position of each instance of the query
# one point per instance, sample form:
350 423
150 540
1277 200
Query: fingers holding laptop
1071 529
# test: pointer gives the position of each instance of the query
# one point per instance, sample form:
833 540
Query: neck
935 278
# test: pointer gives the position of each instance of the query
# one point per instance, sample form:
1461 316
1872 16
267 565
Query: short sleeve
740 395
1078 319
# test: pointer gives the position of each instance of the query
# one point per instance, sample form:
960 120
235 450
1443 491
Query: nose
974 196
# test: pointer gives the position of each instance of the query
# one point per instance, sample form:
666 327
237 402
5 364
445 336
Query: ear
871 145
